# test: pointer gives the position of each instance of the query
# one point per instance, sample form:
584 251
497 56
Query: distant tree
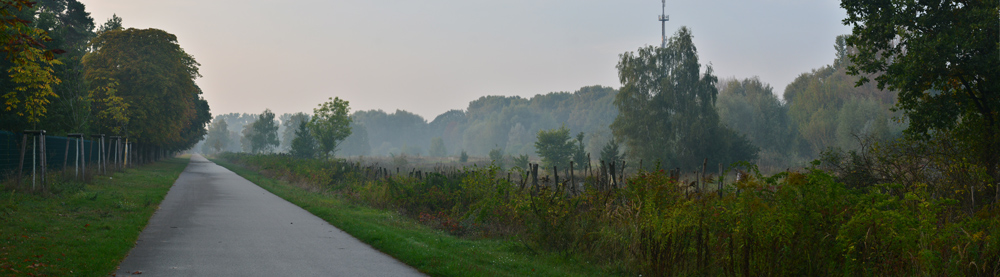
291 123
218 136
496 156
580 154
555 147
303 145
330 124
667 108
464 157
611 152
437 148
262 135
521 161
942 58
357 143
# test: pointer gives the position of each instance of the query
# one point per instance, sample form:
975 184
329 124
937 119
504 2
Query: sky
431 56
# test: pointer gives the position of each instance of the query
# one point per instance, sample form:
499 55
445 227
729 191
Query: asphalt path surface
215 223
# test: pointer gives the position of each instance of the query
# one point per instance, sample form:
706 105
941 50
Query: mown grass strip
428 250
84 231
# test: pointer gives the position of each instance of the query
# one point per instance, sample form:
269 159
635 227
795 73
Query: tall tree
330 124
156 78
71 28
942 58
667 108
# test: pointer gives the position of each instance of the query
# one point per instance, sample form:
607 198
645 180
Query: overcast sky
431 56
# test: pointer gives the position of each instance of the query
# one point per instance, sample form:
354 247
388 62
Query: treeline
62 75
510 123
822 110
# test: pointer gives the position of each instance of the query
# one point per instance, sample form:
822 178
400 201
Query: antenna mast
663 25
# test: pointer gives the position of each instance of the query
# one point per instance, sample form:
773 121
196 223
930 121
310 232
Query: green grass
428 250
81 230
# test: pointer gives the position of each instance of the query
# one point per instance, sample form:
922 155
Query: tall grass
791 223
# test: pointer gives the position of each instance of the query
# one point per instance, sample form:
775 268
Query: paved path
215 223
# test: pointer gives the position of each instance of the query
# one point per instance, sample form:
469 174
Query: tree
667 108
611 152
580 155
113 23
496 156
303 145
464 157
155 77
262 135
290 124
555 147
942 58
218 136
437 148
330 124
27 84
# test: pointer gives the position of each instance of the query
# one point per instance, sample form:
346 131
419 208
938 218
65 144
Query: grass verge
430 251
85 231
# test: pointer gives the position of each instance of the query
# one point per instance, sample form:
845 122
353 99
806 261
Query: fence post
99 138
78 138
20 165
38 140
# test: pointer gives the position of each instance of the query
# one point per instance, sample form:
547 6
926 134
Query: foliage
330 124
155 77
826 110
262 136
303 145
29 65
463 157
555 147
667 108
942 58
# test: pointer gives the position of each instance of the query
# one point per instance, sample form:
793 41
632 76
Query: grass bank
431 251
83 229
